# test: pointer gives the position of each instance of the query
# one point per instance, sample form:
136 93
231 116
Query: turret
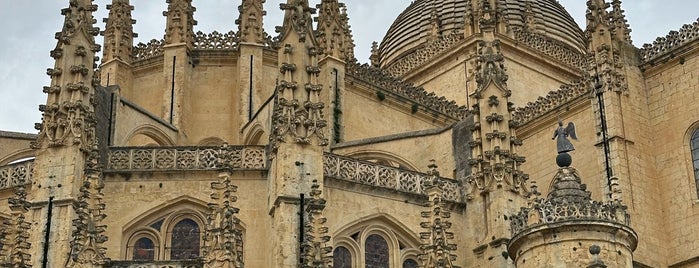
569 229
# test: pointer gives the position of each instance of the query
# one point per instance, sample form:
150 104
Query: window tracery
342 258
376 252
144 249
185 240
694 147
410 263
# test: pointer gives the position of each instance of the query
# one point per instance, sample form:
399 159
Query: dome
412 28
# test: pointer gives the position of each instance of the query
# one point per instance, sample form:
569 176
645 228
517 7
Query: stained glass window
409 263
342 258
185 240
144 249
376 252
694 143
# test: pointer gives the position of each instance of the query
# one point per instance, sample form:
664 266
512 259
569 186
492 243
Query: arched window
342 258
376 252
144 249
409 263
694 143
184 243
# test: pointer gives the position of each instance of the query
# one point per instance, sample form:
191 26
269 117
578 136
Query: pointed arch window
185 240
694 144
144 249
376 252
342 258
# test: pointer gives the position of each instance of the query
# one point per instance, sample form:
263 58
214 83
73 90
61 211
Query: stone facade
244 149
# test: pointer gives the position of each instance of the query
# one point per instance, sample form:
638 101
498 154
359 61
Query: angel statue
562 143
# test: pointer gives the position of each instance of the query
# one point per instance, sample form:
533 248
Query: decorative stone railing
348 169
153 48
544 212
553 48
215 40
186 158
664 45
423 55
385 81
155 264
551 101
16 174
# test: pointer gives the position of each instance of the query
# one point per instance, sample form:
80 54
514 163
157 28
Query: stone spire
606 32
118 33
66 194
374 58
250 27
87 250
299 110
620 26
437 249
68 115
494 161
223 243
315 250
333 34
180 22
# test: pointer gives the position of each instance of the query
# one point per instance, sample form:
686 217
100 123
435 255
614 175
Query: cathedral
482 133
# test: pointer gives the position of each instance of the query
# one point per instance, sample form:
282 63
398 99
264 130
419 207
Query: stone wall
673 89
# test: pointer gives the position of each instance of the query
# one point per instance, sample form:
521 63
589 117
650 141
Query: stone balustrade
550 211
363 172
186 158
155 264
16 174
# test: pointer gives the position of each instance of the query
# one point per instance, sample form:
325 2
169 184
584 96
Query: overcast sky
28 28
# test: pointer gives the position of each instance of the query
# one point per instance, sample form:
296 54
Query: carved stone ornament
490 66
223 241
118 33
333 34
15 251
315 249
68 115
180 22
87 250
250 26
297 18
437 249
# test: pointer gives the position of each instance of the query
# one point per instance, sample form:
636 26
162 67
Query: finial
563 145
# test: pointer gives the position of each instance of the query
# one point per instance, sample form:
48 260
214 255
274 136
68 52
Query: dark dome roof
412 27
